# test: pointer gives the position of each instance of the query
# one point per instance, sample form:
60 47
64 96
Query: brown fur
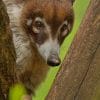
34 72
55 11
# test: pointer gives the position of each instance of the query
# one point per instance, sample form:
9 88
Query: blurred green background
80 7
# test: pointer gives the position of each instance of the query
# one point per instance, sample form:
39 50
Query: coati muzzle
53 60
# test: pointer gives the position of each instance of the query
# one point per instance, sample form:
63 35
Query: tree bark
7 54
79 76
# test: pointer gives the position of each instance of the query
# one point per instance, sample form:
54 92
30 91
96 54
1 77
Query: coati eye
39 24
64 27
64 31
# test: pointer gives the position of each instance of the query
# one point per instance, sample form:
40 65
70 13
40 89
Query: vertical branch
73 79
7 54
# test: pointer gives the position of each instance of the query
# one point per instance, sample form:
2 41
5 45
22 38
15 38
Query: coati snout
53 59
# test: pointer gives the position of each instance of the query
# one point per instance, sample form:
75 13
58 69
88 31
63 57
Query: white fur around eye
65 33
66 22
29 22
69 27
38 19
35 30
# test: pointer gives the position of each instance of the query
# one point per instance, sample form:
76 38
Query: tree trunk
7 54
79 76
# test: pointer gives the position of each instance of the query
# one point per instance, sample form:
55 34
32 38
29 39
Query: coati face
47 23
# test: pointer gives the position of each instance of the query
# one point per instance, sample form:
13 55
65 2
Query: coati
39 28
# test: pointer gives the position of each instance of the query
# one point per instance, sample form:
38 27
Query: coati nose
53 60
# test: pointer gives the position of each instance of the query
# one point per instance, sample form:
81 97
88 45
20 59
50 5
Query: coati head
47 23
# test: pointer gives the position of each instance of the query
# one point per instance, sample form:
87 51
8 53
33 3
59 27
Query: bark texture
7 54
79 76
